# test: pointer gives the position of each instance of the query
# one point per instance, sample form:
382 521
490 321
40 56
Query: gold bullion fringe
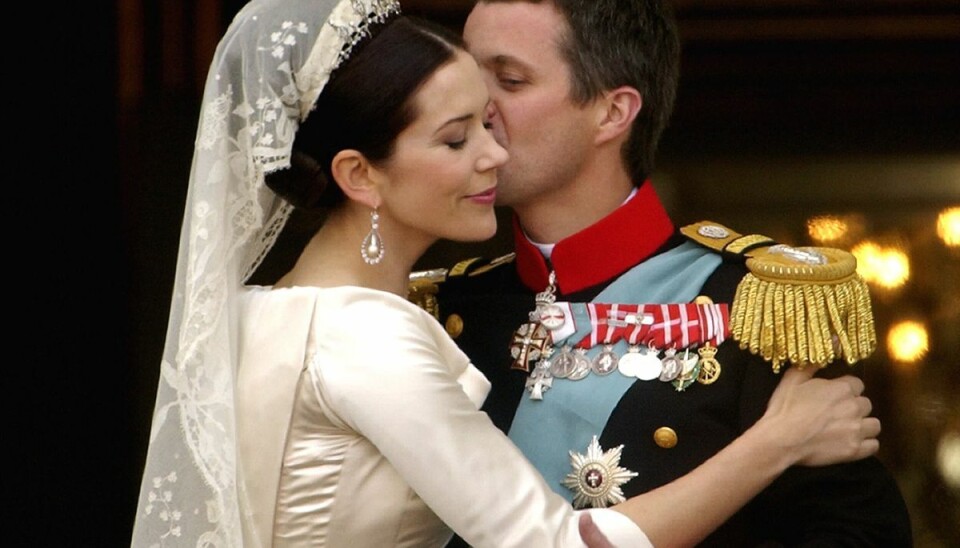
423 293
806 323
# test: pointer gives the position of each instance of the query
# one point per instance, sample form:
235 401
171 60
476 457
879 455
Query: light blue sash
572 412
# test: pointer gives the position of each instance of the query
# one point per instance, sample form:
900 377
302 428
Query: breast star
597 477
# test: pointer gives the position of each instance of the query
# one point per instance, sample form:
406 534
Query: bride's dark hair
364 106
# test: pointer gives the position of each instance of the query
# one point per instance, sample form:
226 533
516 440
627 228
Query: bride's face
442 176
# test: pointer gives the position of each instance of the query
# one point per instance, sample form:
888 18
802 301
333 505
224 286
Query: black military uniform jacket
666 433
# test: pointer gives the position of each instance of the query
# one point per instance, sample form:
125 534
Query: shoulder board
720 238
802 305
479 265
424 284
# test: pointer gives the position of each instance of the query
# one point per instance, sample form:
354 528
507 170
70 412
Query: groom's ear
359 180
617 109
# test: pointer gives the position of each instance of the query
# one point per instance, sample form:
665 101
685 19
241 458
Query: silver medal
605 362
650 367
671 366
582 368
629 364
563 363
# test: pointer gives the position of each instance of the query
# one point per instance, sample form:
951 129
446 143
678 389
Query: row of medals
641 362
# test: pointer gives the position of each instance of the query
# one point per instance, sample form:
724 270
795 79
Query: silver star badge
597 477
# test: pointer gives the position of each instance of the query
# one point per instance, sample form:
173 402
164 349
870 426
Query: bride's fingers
590 533
870 428
856 384
796 375
867 448
864 405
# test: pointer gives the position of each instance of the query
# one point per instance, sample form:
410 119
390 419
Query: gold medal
709 366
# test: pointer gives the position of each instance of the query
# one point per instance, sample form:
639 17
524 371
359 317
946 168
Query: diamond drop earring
372 247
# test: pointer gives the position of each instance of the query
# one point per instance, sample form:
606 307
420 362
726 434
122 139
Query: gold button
665 437
703 299
454 325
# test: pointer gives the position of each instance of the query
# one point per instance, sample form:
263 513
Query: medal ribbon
715 322
666 325
640 330
679 325
608 323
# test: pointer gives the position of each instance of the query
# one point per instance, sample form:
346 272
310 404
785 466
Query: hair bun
303 184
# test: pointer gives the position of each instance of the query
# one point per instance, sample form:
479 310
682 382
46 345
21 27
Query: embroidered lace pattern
268 70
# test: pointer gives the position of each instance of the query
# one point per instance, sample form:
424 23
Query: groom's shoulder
472 277
478 270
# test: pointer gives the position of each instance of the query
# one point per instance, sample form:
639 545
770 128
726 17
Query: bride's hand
591 534
822 421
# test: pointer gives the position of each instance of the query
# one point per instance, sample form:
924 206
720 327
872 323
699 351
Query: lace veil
268 71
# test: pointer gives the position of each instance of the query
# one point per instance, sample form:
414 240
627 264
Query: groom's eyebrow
503 60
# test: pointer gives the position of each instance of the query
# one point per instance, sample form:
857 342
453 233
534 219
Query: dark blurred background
829 122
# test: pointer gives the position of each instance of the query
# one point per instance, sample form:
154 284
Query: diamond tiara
370 12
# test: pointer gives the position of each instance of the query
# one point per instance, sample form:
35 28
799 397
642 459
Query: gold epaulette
423 288
424 284
803 305
478 265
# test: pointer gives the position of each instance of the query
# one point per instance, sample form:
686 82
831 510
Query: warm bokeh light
948 226
887 267
827 228
907 341
868 260
948 458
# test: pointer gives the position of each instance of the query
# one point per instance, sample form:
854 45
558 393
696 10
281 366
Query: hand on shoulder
822 421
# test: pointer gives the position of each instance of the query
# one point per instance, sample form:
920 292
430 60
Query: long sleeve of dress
387 371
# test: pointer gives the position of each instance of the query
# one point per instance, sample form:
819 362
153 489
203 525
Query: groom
581 91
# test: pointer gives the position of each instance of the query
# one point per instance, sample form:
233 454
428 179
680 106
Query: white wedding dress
358 425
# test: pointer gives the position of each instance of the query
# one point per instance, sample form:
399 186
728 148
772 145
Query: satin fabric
359 424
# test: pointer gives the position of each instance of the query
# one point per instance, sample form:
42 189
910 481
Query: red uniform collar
601 251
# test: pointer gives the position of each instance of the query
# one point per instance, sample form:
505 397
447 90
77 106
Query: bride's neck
332 258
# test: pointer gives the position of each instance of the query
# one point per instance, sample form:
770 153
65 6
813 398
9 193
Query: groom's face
517 45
